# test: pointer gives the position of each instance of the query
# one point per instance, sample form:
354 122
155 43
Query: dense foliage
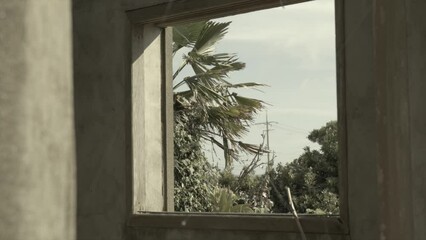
252 190
313 177
195 178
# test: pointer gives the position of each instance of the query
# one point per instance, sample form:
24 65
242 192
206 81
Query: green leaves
225 200
200 36
312 177
186 35
209 36
195 178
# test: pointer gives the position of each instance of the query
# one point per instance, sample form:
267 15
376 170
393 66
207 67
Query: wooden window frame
163 15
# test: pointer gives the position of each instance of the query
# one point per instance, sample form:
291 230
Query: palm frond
186 35
202 62
255 104
209 36
251 148
247 85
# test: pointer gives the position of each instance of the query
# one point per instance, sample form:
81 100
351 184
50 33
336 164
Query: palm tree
222 113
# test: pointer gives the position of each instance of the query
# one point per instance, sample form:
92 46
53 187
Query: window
293 52
153 179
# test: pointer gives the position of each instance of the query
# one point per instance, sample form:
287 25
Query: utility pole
267 142
265 189
267 123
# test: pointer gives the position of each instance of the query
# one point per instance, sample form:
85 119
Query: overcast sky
292 50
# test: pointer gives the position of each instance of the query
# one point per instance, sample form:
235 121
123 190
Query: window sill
313 224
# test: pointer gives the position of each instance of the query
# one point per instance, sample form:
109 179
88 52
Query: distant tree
313 177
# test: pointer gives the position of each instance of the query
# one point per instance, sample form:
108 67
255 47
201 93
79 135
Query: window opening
288 56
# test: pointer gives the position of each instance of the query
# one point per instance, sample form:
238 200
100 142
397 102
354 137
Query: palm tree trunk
226 154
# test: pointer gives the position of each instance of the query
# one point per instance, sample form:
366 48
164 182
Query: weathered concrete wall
135 4
37 167
393 120
385 63
190 234
102 66
416 46
361 120
385 47
147 130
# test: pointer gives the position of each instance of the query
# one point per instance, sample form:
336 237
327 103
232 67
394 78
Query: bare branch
296 217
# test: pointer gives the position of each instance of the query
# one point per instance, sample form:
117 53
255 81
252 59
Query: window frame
163 15
151 120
